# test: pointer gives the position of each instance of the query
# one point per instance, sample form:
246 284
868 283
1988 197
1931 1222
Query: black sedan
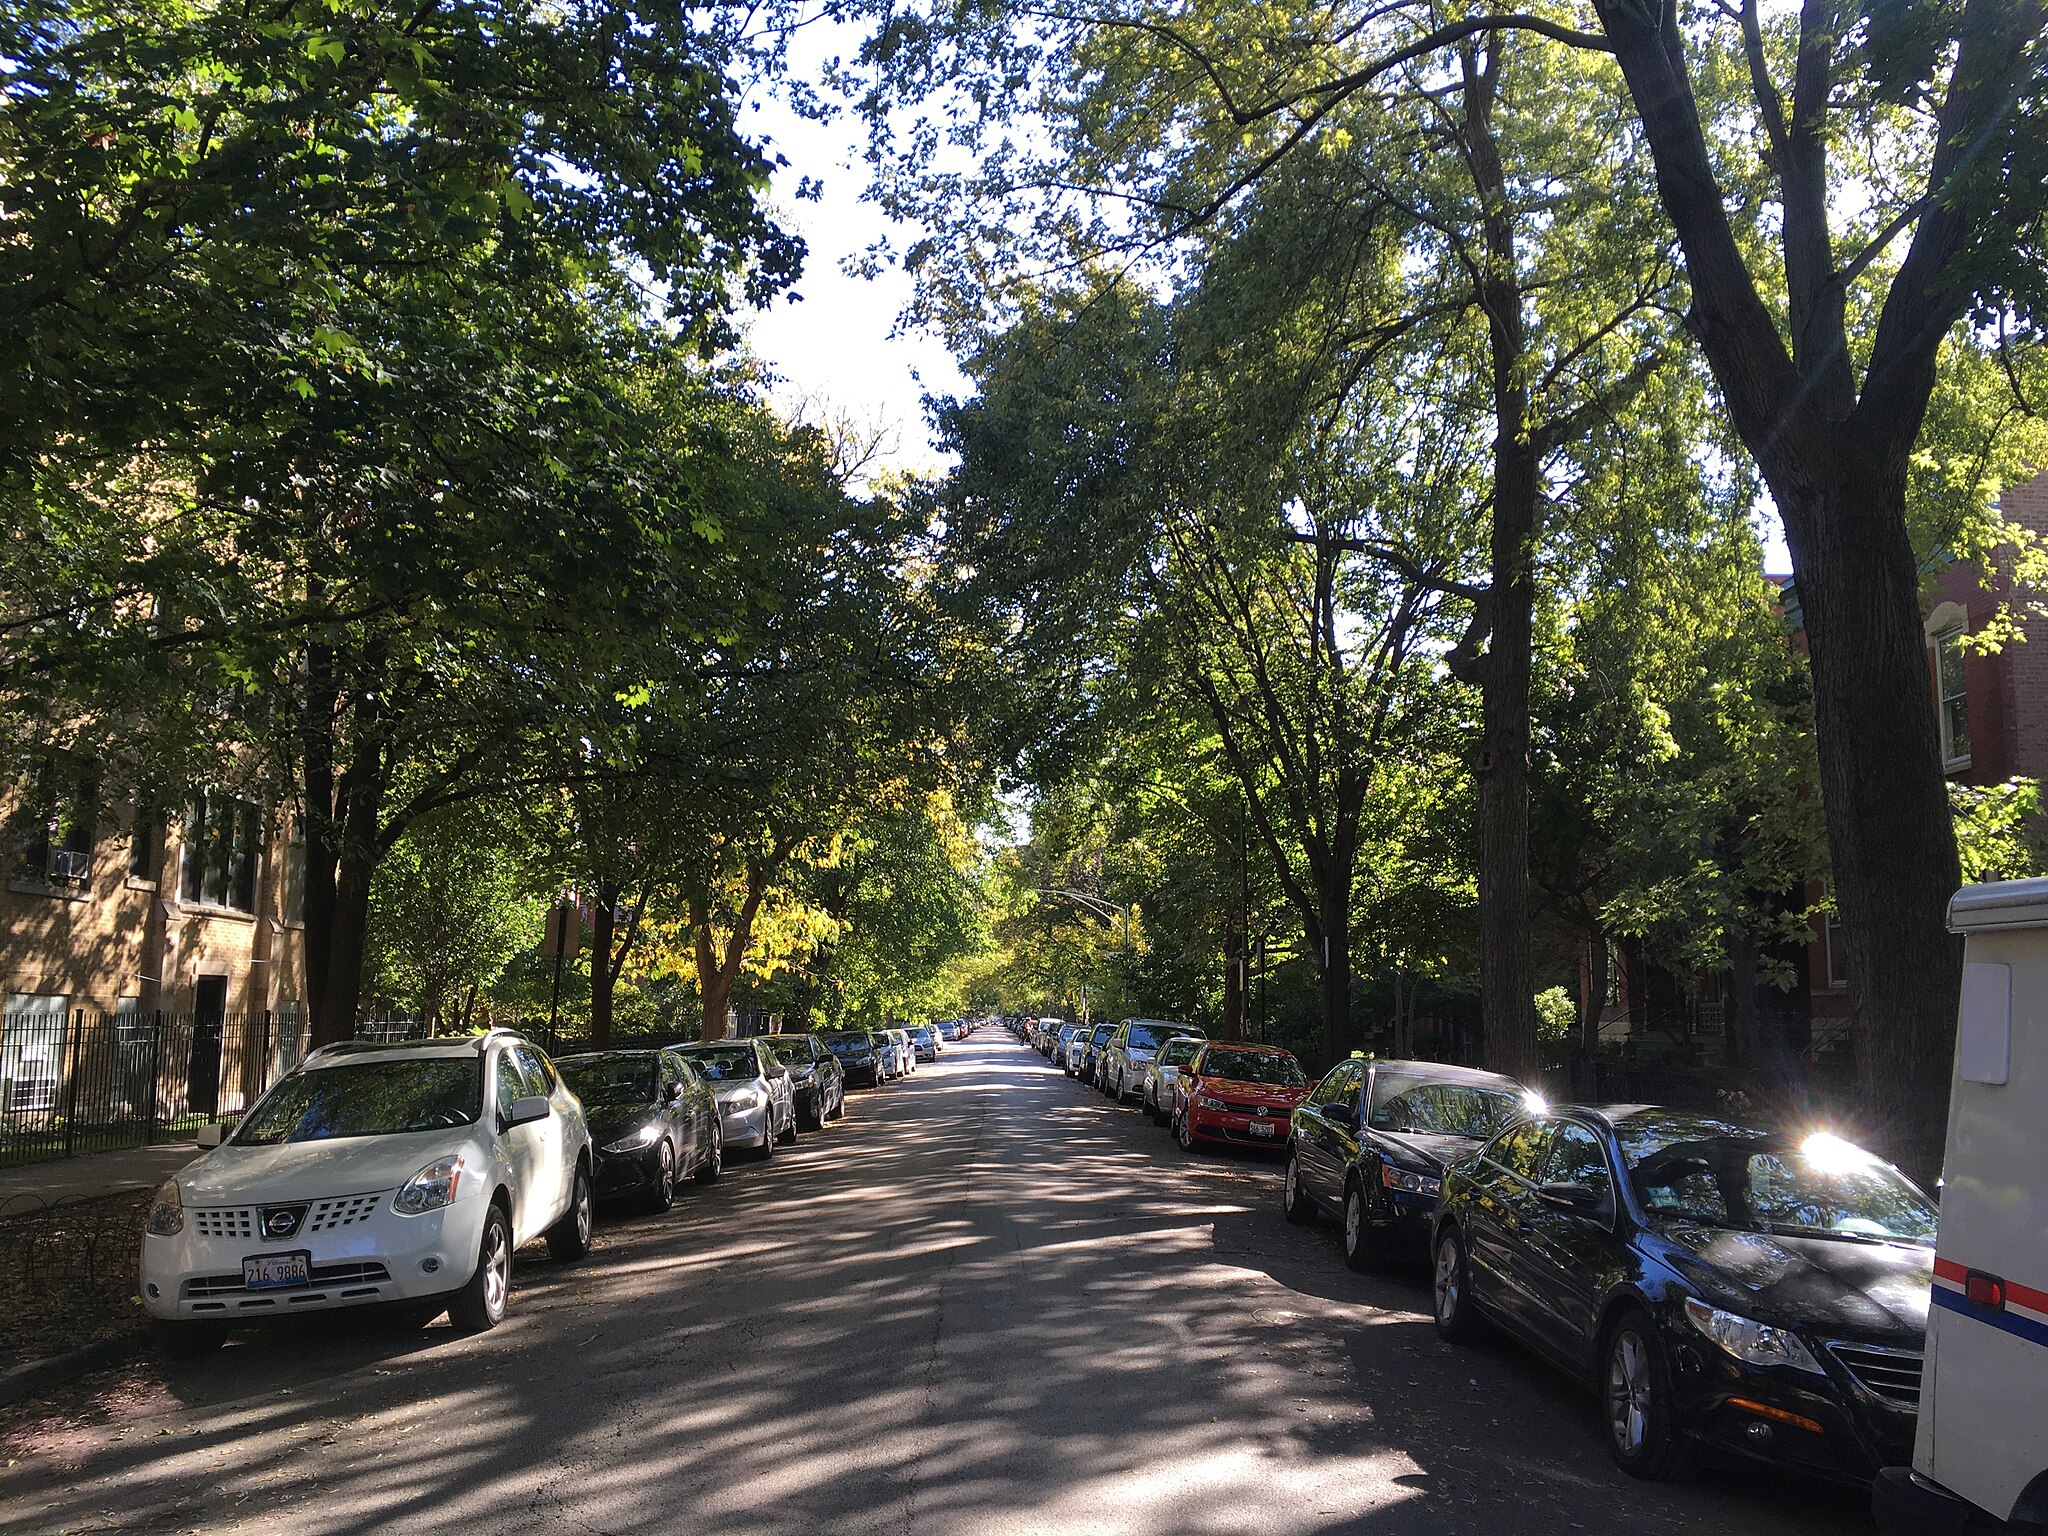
815 1076
1719 1285
858 1053
652 1121
1371 1143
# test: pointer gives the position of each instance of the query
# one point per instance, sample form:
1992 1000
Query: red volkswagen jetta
1244 1094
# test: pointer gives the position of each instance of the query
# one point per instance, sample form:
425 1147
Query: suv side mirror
527 1110
1577 1199
675 1091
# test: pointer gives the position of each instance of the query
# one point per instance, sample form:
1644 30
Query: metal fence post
156 1056
77 1044
263 1071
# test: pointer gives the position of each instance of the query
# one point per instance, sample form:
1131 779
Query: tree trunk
1592 1005
1340 1037
344 937
1507 968
1236 965
1740 1019
603 975
1891 836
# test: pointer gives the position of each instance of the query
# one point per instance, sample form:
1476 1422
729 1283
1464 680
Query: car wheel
1451 1283
1636 1392
766 1151
1361 1251
569 1238
1295 1204
188 1341
1184 1134
788 1137
480 1304
812 1117
661 1195
712 1163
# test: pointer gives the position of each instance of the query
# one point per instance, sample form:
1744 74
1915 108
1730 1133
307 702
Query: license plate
270 1270
1261 1127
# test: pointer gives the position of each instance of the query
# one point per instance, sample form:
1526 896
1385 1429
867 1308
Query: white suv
403 1172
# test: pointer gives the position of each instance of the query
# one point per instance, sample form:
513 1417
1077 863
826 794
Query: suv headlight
646 1136
431 1188
1749 1340
166 1212
1409 1183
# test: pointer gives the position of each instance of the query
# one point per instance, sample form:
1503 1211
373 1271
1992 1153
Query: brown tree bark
1592 1004
1507 967
718 965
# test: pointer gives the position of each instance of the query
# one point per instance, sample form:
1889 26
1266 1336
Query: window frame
240 873
1941 643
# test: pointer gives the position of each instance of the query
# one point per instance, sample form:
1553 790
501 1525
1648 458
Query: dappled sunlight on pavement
989 1301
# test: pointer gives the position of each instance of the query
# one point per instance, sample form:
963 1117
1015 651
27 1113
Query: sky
838 345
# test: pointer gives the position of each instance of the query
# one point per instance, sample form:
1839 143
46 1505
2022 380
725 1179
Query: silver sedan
756 1104
1162 1076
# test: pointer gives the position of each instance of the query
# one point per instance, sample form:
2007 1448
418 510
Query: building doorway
209 1023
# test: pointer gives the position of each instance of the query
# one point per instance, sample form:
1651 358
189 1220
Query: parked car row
1721 1286
406 1173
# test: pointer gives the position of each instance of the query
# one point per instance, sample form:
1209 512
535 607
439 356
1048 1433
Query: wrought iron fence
92 1082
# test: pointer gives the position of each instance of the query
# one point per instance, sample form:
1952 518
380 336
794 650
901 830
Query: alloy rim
1446 1280
582 1209
1293 1184
497 1268
1352 1222
665 1175
1628 1392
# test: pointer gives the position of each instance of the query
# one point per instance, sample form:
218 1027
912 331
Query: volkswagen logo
1261 1109
279 1221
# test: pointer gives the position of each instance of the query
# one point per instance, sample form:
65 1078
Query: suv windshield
1253 1067
366 1098
725 1063
1728 1176
610 1079
1441 1109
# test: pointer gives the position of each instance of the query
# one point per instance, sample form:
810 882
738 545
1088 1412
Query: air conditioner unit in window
68 867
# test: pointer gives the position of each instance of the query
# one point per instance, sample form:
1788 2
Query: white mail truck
1980 1452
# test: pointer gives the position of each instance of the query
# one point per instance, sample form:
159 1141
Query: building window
1955 698
54 829
145 842
1838 958
223 839
32 1051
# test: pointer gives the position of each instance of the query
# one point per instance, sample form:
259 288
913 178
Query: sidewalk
98 1173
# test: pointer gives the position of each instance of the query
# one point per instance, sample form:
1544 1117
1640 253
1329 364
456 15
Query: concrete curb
39 1376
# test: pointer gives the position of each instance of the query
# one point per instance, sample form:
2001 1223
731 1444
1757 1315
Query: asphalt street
987 1302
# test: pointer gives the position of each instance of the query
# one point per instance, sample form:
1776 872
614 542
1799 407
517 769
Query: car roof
1445 1072
630 1050
1250 1045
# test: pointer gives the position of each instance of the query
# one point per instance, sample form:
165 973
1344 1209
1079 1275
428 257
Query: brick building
117 919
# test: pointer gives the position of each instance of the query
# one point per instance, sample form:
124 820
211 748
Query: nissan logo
282 1220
